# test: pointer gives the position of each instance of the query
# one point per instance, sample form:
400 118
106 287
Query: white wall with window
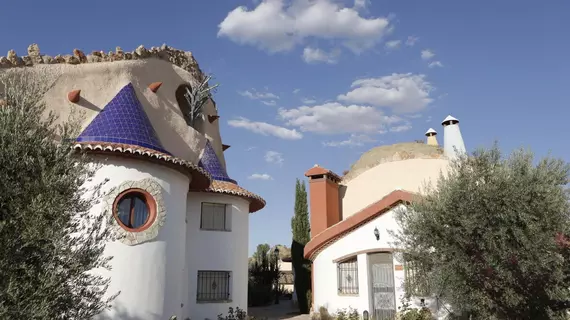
147 266
346 260
217 251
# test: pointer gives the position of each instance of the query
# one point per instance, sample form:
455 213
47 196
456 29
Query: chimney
431 139
453 144
324 199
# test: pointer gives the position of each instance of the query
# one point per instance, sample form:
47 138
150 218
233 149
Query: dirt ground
283 310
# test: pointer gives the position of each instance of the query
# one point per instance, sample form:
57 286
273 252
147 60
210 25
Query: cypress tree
301 235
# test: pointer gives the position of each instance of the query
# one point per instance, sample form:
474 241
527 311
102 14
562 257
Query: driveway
283 310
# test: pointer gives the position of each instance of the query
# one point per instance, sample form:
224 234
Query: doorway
382 288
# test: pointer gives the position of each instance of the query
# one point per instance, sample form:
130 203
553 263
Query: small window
348 276
213 286
134 210
214 217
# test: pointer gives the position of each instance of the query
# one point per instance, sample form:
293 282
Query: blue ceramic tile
123 120
211 163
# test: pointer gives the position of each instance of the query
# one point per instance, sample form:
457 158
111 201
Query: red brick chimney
324 199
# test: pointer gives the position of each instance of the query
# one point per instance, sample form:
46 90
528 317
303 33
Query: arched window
135 210
183 102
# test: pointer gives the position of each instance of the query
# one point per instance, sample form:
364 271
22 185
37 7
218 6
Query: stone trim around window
132 238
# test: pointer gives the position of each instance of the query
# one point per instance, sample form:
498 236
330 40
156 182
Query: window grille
416 282
214 217
348 277
213 286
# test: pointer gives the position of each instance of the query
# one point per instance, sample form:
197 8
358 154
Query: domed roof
390 153
210 162
123 120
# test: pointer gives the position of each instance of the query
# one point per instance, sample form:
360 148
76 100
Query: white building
354 260
183 222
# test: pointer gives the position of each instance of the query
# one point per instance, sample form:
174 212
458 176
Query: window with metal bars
214 217
415 281
213 286
347 272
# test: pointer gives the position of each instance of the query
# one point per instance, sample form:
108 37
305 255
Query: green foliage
49 239
492 236
408 313
300 225
263 276
301 235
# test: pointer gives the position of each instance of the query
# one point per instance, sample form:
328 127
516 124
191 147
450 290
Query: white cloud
315 55
280 25
401 128
254 95
260 176
411 41
393 44
427 54
429 118
335 118
266 129
308 101
296 91
269 102
352 141
434 64
250 148
404 93
274 157
361 4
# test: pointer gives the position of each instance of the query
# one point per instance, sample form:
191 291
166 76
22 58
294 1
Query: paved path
283 310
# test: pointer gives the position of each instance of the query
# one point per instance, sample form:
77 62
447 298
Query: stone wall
182 59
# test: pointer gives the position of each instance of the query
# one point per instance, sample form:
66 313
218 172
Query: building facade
181 223
355 262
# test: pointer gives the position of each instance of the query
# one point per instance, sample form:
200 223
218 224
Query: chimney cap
431 132
448 120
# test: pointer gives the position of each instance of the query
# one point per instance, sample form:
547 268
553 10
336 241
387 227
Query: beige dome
390 153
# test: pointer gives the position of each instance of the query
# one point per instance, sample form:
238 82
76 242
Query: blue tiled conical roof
123 120
211 163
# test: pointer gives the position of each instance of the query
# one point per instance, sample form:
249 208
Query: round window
135 210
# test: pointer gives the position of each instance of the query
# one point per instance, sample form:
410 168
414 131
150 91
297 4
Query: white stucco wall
361 239
148 274
377 182
325 270
217 250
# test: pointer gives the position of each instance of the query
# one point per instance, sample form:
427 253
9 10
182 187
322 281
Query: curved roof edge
256 202
200 179
341 229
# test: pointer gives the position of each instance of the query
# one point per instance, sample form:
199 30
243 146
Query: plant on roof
50 241
197 97
493 236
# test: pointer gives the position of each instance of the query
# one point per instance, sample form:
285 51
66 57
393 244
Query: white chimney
452 140
431 139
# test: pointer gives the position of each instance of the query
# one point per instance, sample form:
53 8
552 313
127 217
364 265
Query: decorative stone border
134 238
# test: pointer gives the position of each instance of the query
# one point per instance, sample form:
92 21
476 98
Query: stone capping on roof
318 170
200 179
392 153
256 202
182 59
341 229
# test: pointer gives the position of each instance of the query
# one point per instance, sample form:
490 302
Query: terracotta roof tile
201 179
346 226
256 202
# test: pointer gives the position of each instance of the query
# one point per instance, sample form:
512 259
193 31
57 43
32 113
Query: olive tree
50 243
491 236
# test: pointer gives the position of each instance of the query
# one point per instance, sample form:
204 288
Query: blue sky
305 82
